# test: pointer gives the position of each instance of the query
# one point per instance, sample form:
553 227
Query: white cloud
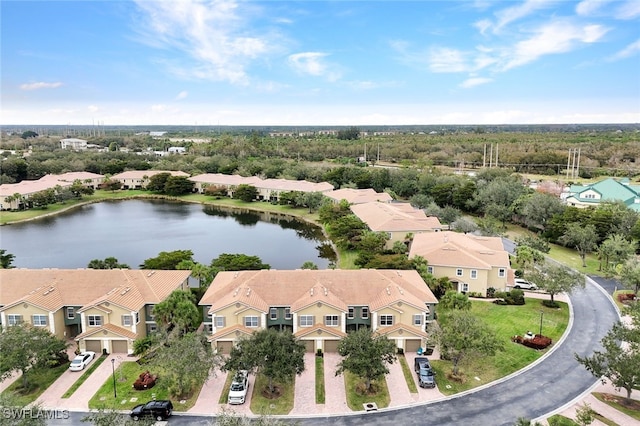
442 59
627 52
211 33
93 108
313 63
158 108
552 38
514 13
589 7
475 81
40 85
182 95
628 10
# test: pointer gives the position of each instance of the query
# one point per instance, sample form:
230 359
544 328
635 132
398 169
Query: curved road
551 383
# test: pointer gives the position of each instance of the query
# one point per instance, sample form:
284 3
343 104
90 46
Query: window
94 320
386 319
306 320
459 272
71 312
331 320
474 274
14 319
365 313
126 320
220 322
39 320
351 313
430 269
137 318
465 287
287 313
152 328
502 272
417 319
209 328
273 313
150 311
251 321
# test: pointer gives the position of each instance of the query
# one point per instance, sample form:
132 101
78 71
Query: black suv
426 375
159 410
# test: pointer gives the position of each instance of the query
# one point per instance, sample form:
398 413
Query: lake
135 230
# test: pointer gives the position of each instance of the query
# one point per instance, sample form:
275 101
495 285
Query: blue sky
190 62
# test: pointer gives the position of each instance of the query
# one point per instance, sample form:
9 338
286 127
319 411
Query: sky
296 63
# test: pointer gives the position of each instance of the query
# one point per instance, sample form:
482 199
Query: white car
239 388
81 361
524 284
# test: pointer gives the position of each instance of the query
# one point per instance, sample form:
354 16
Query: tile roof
303 331
140 174
266 288
417 331
395 217
449 248
359 196
108 328
271 184
80 287
609 189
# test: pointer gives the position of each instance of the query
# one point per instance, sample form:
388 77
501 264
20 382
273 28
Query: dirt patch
275 394
361 389
631 404
458 378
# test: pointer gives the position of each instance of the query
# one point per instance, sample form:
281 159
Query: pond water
135 230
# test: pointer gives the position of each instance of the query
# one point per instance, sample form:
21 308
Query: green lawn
224 396
356 396
128 397
320 394
262 405
85 375
38 381
613 402
506 321
408 374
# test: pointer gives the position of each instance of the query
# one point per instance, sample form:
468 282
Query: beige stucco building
100 309
319 306
472 263
139 179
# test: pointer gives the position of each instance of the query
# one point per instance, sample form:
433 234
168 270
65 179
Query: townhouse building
139 179
358 196
318 306
472 263
399 220
99 309
610 189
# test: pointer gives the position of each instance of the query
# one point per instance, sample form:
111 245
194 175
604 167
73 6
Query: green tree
157 182
178 185
555 278
29 134
465 225
366 354
185 363
309 265
616 362
582 237
107 263
615 250
6 259
329 212
372 242
246 193
312 200
24 348
276 354
352 133
629 274
464 335
178 312
585 415
538 208
346 231
533 241
238 262
455 300
9 400
167 260
528 257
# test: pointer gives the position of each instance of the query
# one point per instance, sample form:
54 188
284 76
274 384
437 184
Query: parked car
81 361
524 284
239 388
426 375
159 410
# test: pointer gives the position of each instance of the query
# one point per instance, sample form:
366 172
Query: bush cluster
513 297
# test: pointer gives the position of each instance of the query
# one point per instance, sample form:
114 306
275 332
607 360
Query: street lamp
541 314
113 373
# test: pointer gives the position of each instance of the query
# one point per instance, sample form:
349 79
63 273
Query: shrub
491 292
319 353
550 304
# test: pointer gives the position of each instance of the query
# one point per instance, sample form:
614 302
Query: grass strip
356 397
85 375
38 381
320 393
263 406
408 375
224 396
626 410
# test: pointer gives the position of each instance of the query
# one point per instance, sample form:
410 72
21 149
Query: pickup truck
239 388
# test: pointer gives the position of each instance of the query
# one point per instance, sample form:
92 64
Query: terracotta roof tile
303 331
109 328
395 217
359 196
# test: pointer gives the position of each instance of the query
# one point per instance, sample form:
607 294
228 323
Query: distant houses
605 190
139 179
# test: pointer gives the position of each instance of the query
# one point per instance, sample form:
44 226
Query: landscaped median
126 397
